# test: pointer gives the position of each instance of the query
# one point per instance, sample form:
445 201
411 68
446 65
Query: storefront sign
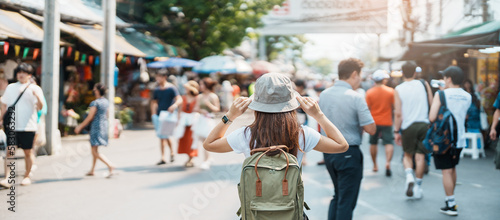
327 16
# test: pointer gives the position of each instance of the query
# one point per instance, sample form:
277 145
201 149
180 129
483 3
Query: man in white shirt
458 102
411 104
25 119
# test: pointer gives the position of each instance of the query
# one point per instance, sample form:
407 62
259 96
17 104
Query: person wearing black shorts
27 101
458 102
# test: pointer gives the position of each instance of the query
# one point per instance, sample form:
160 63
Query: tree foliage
293 44
322 65
205 27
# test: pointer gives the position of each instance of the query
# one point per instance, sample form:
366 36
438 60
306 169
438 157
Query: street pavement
142 190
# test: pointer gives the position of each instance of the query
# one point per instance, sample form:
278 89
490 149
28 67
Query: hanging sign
326 16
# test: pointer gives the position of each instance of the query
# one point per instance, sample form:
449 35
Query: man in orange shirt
380 100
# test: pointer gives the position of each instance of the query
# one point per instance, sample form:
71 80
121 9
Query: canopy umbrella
222 64
261 67
242 66
174 62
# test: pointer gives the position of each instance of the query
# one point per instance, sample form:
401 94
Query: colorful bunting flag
62 52
97 60
6 48
127 61
119 58
91 60
35 53
84 58
77 55
17 48
25 52
70 49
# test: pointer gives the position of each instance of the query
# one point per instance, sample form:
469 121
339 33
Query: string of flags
67 52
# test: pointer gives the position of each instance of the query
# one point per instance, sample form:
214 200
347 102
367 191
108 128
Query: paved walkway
143 190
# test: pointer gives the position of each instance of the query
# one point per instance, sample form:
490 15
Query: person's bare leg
103 158
420 161
94 161
28 160
9 153
448 182
454 176
373 153
34 144
408 161
162 149
389 151
169 144
206 154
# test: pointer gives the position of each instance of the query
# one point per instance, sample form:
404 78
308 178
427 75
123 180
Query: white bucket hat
274 93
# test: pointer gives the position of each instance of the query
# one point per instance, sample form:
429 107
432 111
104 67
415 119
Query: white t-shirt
458 102
26 112
414 103
239 140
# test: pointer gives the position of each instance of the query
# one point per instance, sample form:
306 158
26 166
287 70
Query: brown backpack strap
272 148
258 184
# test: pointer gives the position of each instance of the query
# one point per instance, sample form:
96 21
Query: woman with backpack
274 103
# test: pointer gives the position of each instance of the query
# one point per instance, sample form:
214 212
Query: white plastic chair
473 149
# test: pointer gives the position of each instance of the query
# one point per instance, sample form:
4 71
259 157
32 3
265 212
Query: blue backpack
442 134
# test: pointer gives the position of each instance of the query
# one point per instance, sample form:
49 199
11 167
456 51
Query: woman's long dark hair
270 129
472 92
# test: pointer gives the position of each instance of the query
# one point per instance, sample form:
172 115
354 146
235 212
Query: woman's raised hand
238 107
310 106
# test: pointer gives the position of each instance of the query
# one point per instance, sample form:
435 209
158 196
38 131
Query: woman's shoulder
99 101
212 95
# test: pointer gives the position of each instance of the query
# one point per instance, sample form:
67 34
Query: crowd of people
329 119
403 115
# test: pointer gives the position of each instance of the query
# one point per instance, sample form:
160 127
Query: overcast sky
341 46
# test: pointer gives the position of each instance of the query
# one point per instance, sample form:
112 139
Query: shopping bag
3 140
166 123
203 126
484 120
186 119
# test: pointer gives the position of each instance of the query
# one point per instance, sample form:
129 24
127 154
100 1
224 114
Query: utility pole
50 73
262 48
485 10
439 28
108 57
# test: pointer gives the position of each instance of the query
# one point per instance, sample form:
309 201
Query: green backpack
271 186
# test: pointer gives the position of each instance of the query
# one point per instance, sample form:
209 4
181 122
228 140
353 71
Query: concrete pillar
108 57
50 73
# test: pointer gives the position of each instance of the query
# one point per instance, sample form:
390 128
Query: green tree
205 27
276 45
322 65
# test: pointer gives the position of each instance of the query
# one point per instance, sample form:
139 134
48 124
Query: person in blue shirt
165 98
496 116
473 121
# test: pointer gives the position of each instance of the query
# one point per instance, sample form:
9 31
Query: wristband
396 132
